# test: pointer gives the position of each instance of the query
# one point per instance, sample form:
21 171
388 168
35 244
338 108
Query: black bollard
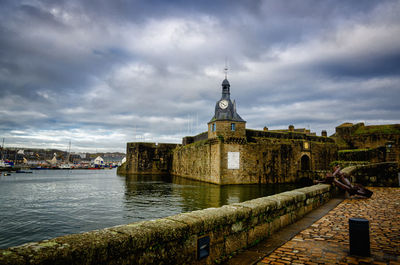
359 237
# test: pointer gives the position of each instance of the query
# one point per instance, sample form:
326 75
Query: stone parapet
174 239
377 174
286 135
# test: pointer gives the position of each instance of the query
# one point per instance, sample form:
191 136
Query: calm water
51 203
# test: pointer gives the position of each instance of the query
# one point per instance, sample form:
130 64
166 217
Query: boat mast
2 150
69 151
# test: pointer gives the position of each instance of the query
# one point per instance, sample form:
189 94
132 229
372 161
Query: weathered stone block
196 224
260 206
285 220
219 217
235 242
275 225
257 233
314 190
299 212
8 257
239 212
308 208
283 200
298 196
98 246
165 230
217 252
219 233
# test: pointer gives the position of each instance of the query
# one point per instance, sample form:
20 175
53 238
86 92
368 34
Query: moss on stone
378 129
353 150
48 244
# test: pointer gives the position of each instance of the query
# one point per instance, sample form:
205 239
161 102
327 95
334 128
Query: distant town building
98 161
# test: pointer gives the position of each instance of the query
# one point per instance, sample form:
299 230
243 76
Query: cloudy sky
103 73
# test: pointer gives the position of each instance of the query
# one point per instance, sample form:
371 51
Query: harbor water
51 203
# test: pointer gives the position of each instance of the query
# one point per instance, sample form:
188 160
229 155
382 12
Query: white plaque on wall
233 160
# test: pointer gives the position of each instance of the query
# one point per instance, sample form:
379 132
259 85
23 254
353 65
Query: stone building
229 153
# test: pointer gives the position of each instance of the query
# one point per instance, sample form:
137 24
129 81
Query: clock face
223 104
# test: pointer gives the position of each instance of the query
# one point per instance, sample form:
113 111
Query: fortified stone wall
148 158
381 142
359 136
286 135
176 239
374 155
194 161
192 139
257 157
271 161
372 140
264 160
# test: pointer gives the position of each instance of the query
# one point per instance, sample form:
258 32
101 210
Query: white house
99 161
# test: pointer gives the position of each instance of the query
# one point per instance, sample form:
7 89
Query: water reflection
163 195
50 203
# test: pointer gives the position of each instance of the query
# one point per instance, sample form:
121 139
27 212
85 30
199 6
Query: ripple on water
48 204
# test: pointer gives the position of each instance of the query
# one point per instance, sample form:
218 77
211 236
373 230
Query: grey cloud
154 68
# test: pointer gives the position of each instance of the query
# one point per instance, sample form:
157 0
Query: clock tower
226 122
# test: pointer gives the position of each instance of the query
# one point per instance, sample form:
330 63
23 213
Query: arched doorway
305 163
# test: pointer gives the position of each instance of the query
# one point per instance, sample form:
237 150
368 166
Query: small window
233 127
306 145
213 127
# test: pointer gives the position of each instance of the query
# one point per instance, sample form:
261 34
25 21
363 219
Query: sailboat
4 163
66 164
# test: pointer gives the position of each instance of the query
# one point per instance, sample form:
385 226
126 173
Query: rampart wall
147 158
175 239
271 161
192 139
359 136
194 161
286 135
264 160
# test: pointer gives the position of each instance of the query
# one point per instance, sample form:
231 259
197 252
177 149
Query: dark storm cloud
368 66
106 72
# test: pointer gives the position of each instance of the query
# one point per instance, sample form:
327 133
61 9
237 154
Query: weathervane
226 69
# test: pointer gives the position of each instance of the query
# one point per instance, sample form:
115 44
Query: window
306 145
233 127
213 127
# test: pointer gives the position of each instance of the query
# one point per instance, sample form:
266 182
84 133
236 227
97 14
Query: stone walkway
327 240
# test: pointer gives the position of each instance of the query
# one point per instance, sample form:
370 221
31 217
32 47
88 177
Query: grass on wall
379 129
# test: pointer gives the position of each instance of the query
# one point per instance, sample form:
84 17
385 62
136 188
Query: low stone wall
377 175
174 239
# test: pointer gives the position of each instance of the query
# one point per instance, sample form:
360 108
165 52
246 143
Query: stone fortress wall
147 158
229 153
374 143
264 157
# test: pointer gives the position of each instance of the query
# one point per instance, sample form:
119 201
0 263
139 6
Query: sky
103 73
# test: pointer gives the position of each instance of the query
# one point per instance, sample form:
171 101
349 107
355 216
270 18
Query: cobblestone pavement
327 240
